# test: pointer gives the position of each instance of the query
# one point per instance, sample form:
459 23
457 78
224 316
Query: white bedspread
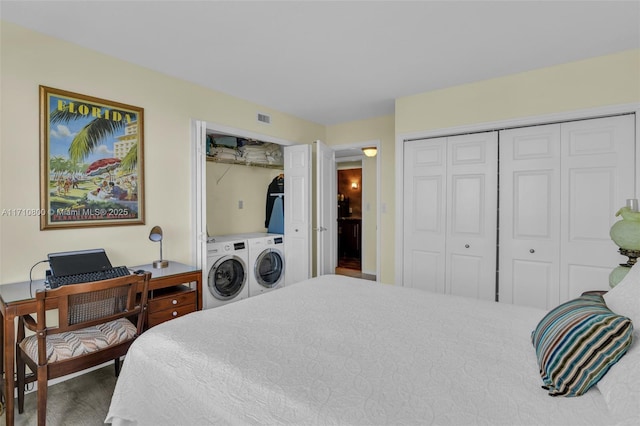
339 350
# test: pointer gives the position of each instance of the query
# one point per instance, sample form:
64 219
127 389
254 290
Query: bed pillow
620 387
577 342
624 298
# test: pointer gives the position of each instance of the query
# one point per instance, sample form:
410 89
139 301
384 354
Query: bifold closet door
598 175
450 204
560 187
425 178
472 202
529 259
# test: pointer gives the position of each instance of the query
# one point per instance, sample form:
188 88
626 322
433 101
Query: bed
340 350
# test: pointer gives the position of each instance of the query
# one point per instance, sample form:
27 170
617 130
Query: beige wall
29 59
596 82
227 184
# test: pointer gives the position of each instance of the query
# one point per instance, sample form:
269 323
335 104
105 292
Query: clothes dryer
228 276
266 263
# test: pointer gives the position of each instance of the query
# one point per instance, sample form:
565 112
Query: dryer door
227 277
269 268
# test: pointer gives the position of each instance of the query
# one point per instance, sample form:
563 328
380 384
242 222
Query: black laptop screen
78 262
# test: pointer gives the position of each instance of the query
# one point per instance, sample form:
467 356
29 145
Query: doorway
349 230
357 189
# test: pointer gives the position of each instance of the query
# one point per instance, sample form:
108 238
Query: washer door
269 268
227 277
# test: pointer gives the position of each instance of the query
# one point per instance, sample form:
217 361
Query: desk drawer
169 314
172 301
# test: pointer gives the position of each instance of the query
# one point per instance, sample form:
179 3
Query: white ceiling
336 61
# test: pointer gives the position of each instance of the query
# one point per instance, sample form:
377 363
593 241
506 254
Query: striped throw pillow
577 342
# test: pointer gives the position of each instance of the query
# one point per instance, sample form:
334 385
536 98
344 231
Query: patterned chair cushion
577 342
66 345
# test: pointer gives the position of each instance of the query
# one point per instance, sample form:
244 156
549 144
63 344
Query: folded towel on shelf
250 152
225 153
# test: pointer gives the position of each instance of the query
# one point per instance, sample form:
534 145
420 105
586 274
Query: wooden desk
166 286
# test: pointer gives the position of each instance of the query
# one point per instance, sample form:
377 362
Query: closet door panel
297 212
582 277
467 200
532 203
466 276
424 210
472 215
591 203
598 173
427 212
529 249
426 270
536 283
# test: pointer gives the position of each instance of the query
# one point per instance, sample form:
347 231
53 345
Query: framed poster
91 161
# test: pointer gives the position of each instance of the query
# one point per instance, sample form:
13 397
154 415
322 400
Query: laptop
72 267
78 262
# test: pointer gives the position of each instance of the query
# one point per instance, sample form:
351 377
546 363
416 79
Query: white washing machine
228 276
266 263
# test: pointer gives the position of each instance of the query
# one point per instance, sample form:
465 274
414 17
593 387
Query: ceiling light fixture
370 151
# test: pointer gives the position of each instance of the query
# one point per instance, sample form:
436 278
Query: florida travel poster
91 161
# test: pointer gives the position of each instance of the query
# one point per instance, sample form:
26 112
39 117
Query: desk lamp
156 235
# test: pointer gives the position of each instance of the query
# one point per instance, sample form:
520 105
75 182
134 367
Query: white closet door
424 214
472 202
297 213
598 172
529 248
326 212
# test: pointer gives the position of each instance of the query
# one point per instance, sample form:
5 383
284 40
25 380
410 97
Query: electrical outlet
240 204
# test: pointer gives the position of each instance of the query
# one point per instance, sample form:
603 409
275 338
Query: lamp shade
370 151
156 236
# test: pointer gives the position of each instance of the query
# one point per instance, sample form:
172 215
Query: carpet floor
81 401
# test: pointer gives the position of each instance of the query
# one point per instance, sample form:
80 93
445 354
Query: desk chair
97 322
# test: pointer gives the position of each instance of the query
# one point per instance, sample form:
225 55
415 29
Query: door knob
532 251
466 246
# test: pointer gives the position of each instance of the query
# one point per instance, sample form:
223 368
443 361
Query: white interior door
598 174
297 212
529 256
425 214
472 201
199 183
326 215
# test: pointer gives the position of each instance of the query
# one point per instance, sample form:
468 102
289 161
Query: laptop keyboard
118 271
